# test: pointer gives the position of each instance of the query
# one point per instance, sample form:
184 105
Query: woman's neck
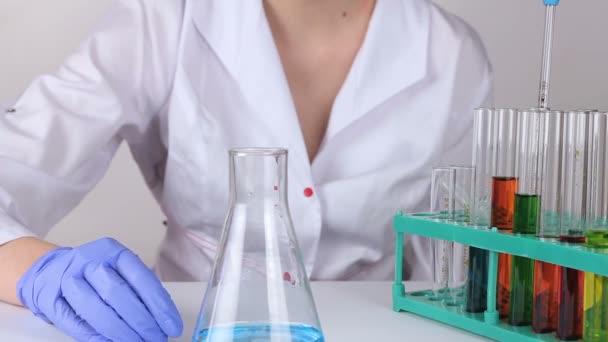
317 16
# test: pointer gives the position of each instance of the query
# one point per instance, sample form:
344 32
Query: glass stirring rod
543 96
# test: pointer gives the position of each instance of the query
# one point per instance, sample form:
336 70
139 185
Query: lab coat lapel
237 31
239 34
392 58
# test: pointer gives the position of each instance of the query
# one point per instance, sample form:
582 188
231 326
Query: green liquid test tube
522 271
525 219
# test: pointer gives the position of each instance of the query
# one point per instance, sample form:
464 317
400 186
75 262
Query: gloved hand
100 291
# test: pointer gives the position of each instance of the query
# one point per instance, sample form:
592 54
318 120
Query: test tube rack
487 324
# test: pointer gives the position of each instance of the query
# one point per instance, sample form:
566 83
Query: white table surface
349 312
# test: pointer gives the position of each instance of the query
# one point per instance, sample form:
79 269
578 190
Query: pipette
543 96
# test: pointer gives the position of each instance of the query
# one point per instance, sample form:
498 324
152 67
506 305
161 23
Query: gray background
35 36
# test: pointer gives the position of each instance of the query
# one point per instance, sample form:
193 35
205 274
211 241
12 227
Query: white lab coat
183 81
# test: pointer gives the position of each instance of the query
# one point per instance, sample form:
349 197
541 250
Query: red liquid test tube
546 276
577 167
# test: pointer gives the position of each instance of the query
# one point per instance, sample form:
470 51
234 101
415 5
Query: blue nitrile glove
100 291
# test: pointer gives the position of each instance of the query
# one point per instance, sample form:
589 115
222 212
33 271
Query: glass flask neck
258 176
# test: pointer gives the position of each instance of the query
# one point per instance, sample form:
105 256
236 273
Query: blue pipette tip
551 2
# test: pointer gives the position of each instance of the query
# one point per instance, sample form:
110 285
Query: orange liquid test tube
504 186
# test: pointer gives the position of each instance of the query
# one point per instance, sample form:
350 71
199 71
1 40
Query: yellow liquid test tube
595 322
595 308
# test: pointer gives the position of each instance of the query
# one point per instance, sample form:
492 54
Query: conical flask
258 290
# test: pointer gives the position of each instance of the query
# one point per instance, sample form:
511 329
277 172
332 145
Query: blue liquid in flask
261 333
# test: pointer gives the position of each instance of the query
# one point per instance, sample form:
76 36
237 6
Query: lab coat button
308 192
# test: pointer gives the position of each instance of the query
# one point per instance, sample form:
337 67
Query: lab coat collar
239 34
393 57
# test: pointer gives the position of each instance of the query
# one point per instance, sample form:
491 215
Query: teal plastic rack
486 324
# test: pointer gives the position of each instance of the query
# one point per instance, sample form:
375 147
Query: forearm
16 257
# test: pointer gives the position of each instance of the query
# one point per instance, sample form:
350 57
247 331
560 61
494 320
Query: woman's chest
214 107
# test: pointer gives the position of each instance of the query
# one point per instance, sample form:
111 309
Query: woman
366 95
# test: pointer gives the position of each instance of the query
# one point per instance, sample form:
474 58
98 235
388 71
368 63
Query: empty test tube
442 206
463 200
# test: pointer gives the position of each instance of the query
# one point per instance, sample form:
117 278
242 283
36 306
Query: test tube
442 206
442 193
484 161
525 218
551 133
576 160
484 145
544 318
598 190
463 193
463 199
504 186
504 179
573 216
595 327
